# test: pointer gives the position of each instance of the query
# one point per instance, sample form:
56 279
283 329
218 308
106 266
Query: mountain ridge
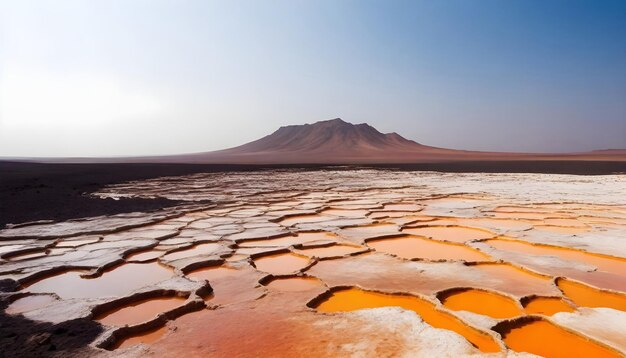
336 141
329 135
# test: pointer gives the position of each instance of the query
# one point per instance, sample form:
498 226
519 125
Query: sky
143 77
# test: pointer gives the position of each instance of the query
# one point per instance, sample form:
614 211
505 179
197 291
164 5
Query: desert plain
326 262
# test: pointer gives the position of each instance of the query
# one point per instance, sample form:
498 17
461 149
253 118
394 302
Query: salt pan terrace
336 263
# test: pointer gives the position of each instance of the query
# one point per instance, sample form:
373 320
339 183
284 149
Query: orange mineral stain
371 230
212 273
516 279
548 340
140 311
606 271
354 299
547 306
602 262
587 296
281 264
295 284
483 302
147 338
450 233
416 247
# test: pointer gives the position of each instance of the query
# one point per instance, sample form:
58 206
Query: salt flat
317 262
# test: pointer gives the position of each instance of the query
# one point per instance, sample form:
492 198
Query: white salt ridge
604 324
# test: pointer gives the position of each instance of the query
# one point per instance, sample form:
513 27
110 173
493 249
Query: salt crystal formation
336 263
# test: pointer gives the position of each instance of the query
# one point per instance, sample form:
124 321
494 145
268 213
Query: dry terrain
327 263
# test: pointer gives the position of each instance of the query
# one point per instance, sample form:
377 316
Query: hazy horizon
125 78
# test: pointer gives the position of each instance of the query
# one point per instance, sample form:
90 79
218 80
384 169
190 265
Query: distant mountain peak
335 141
333 121
329 137
330 123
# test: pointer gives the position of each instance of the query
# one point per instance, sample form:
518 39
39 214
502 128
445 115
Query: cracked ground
327 263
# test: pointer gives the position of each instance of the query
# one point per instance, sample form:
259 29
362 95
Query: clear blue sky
96 78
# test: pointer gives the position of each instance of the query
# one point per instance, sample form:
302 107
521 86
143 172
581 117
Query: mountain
338 142
329 136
